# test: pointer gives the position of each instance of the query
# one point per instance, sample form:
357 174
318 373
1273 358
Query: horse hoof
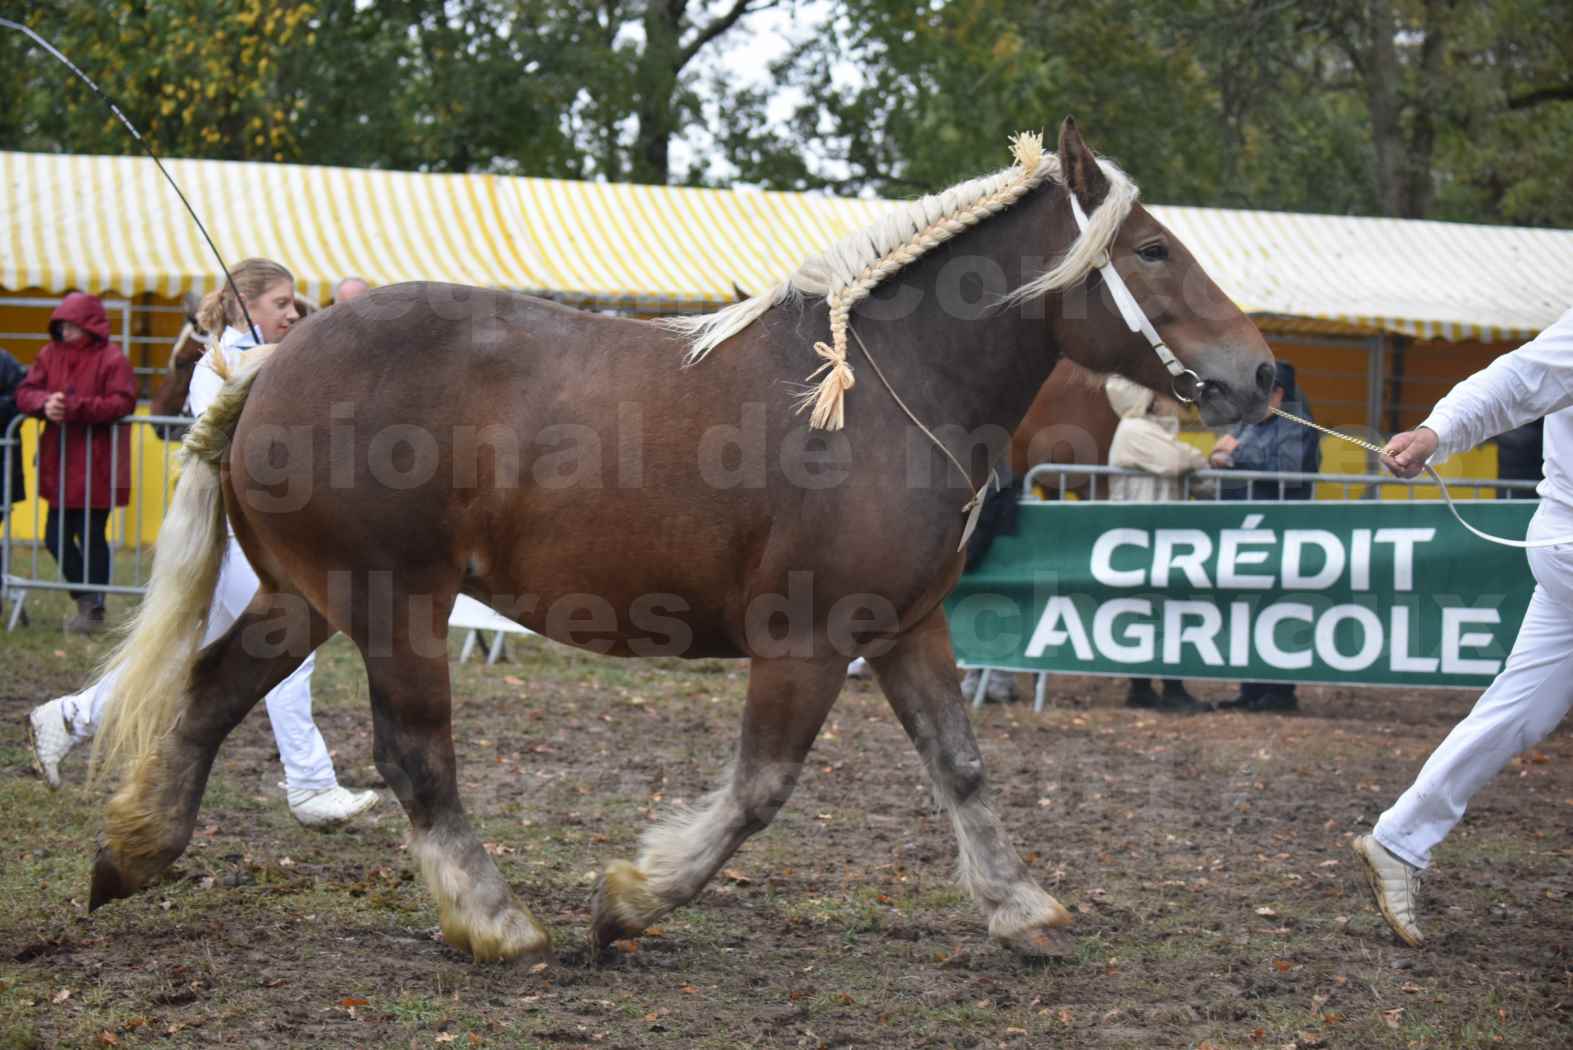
623 905
109 884
1043 942
513 935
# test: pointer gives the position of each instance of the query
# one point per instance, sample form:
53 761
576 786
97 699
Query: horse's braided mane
847 271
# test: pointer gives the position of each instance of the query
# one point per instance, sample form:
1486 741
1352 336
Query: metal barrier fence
26 563
127 317
1061 481
1209 484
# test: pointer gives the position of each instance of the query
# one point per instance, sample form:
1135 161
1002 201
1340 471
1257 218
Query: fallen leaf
845 1000
1064 1016
62 995
627 946
1282 965
1266 912
689 989
1009 1032
1410 987
349 1002
513 679
445 1037
107 1038
736 876
1307 1039
1392 1017
538 968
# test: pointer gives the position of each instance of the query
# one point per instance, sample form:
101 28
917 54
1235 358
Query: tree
226 79
1410 108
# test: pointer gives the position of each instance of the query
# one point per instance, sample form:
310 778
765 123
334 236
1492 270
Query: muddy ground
1206 861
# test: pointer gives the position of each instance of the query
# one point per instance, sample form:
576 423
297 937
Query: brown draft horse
430 440
1068 423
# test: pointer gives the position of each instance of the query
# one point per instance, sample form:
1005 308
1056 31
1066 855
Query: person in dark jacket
81 385
11 375
1275 444
1520 457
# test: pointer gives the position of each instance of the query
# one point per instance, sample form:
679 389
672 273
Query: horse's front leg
919 678
413 746
787 703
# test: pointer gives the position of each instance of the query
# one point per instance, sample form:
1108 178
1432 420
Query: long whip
125 121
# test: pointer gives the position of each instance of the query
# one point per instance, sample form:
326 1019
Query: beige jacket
1150 444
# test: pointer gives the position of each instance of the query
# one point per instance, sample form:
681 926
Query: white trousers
1529 697
307 765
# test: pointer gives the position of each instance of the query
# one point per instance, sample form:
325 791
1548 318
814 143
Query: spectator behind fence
81 385
1274 444
11 375
1147 439
1520 457
350 288
311 786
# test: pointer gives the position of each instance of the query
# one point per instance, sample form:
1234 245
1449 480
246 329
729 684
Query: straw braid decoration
845 272
835 376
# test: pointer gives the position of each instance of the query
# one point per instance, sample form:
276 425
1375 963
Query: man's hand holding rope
1406 454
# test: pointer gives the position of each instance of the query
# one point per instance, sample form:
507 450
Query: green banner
1358 593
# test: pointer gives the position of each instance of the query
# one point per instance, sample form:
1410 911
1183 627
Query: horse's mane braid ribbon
827 399
847 271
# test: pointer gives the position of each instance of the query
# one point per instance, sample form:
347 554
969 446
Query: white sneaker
51 739
1000 690
1392 883
330 807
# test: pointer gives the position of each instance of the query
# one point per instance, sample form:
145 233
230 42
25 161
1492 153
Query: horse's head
1222 362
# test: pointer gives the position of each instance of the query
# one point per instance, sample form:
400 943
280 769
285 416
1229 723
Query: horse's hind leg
919 677
787 703
148 822
412 716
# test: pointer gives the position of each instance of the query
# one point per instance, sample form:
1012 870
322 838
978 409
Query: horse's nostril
1265 375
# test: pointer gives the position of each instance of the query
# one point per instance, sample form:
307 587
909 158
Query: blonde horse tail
154 660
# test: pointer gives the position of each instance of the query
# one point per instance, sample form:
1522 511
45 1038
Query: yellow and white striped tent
111 224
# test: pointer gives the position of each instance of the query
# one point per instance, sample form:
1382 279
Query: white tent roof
112 224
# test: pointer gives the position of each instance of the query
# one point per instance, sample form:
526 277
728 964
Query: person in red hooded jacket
81 384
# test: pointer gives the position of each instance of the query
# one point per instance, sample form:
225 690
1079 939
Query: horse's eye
1153 252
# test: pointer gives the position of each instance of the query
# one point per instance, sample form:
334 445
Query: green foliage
1404 107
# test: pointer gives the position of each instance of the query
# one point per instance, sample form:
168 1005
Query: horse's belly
656 622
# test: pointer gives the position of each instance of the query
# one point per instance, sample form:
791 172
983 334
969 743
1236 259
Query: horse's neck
967 364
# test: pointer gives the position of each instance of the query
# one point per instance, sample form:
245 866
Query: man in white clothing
1535 688
1148 440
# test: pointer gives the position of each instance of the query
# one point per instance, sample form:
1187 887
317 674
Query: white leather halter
1136 319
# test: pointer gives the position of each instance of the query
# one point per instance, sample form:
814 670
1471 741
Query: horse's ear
1080 168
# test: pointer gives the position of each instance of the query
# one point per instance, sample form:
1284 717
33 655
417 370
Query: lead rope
1137 321
1448 496
974 506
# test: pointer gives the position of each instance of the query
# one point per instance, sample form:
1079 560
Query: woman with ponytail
315 796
